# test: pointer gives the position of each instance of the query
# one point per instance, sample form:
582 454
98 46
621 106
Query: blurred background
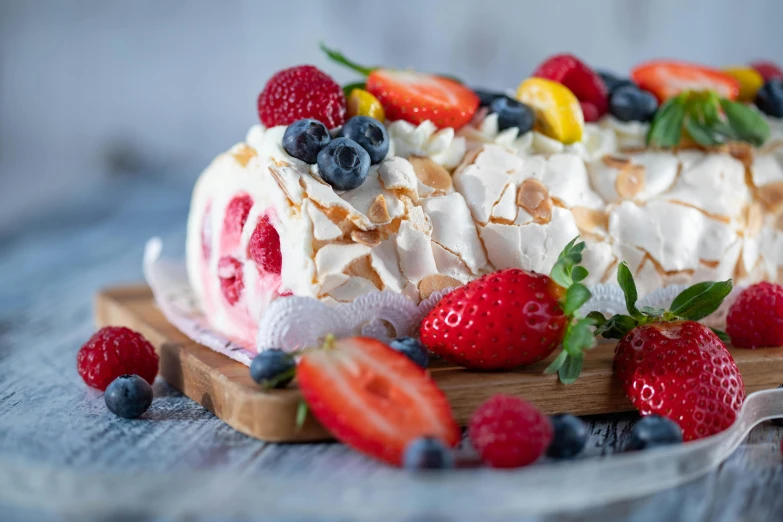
97 96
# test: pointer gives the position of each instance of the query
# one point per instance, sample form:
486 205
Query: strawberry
416 97
767 70
580 79
514 318
374 398
672 366
301 92
666 79
755 319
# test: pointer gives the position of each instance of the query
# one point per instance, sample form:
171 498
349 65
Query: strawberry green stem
340 58
328 342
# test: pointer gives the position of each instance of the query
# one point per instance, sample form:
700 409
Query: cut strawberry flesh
374 399
231 281
264 247
580 79
234 221
417 97
667 79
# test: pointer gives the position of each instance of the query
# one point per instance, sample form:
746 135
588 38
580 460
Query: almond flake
630 181
533 196
435 283
242 153
378 212
370 238
430 173
590 221
616 162
771 195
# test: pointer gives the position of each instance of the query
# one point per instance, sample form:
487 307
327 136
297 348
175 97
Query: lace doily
295 321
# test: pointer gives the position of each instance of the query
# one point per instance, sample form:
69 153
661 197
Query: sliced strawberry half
580 79
767 70
417 97
666 79
373 398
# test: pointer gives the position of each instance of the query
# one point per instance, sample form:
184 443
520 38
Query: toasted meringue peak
416 259
454 230
714 184
442 146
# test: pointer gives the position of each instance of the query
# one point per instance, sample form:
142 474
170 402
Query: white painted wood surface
64 456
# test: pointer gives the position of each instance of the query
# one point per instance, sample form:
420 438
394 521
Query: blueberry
629 103
769 99
778 422
653 431
570 436
427 453
273 368
343 164
487 97
128 396
370 134
412 349
304 139
614 82
512 113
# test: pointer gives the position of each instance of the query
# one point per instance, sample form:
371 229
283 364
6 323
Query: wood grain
225 388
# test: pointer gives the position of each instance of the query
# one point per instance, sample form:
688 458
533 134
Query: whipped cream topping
442 146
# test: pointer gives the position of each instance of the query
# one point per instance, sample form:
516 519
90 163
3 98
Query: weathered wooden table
64 456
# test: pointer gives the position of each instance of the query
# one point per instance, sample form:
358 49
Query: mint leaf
706 302
666 128
616 327
571 368
301 414
747 123
723 336
576 295
340 58
700 131
628 286
555 365
351 86
562 272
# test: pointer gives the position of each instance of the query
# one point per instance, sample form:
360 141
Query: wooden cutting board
225 388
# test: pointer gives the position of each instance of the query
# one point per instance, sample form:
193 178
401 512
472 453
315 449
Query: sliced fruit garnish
749 79
580 79
373 398
362 103
666 79
558 113
414 96
767 70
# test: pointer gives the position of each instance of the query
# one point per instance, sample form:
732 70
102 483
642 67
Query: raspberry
509 433
232 282
236 215
585 83
264 247
755 319
301 92
113 351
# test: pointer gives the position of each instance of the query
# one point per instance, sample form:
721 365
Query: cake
461 193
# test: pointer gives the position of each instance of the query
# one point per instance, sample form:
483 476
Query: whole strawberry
670 365
301 92
755 319
508 432
514 318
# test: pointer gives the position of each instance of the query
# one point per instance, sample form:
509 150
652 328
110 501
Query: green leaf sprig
692 304
708 119
579 333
